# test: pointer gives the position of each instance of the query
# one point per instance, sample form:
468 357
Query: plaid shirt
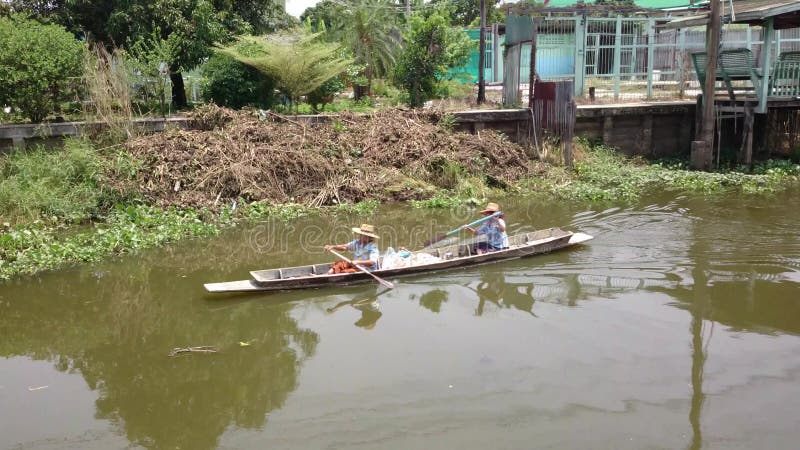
364 252
494 237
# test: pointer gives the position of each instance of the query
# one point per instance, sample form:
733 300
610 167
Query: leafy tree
149 58
262 16
298 64
228 82
369 29
327 12
467 13
191 26
39 65
432 47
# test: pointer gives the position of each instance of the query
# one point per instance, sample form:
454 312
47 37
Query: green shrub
794 155
39 66
454 89
432 48
230 83
64 184
325 94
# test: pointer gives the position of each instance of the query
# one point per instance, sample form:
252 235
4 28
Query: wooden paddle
471 224
377 278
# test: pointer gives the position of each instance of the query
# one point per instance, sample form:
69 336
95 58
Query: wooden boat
454 256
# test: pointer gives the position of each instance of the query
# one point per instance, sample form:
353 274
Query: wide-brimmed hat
366 230
492 208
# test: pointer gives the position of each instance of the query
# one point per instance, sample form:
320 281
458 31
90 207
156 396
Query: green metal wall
469 72
652 4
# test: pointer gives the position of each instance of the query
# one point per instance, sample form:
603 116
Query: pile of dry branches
349 158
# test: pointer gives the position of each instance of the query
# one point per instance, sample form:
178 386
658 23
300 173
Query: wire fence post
749 39
580 54
617 56
680 63
651 37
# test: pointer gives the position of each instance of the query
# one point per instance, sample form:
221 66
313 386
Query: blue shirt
494 237
364 252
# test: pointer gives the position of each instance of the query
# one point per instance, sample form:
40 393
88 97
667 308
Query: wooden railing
785 80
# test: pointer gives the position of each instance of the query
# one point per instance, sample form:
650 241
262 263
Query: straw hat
492 208
366 230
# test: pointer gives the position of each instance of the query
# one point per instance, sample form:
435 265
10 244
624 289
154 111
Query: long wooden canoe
315 275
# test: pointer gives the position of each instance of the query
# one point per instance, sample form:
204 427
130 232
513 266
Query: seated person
365 251
494 229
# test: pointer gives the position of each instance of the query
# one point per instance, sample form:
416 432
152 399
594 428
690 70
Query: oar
471 224
377 278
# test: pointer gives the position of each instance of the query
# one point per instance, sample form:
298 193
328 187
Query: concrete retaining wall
649 129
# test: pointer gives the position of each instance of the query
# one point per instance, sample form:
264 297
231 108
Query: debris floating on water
30 388
199 349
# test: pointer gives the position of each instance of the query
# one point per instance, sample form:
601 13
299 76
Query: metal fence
623 58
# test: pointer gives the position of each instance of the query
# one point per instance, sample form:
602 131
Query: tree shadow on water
117 330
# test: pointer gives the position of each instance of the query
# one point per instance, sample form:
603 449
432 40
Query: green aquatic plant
438 201
291 211
285 212
36 247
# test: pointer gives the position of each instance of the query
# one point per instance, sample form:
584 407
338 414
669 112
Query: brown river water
678 326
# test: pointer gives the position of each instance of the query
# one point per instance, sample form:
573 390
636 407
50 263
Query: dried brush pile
351 158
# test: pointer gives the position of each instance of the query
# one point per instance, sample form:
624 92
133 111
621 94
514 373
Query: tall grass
65 185
602 174
109 92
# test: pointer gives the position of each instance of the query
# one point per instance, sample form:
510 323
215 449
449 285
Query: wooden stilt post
702 155
532 75
532 86
746 154
766 62
482 56
569 134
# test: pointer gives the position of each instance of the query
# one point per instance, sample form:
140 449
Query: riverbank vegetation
119 191
84 201
602 174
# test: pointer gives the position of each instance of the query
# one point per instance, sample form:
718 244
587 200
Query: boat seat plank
294 272
321 269
266 275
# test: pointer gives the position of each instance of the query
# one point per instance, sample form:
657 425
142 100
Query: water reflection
494 288
116 328
367 304
433 299
698 308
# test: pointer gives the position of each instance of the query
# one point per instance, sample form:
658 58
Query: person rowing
364 249
494 229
